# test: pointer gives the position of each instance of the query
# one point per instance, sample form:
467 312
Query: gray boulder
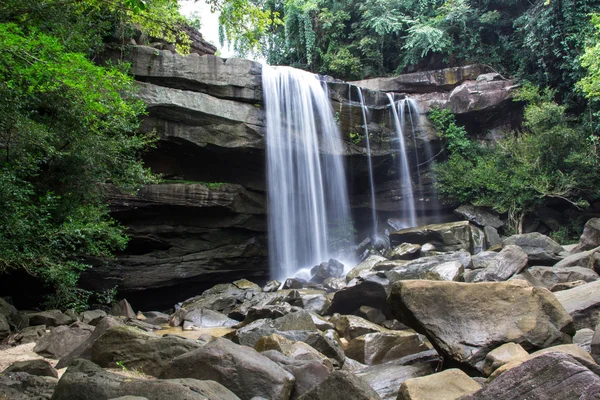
241 369
510 261
62 340
548 376
422 268
583 338
36 367
386 379
84 380
451 236
582 303
139 350
23 386
550 276
92 317
341 385
380 347
479 216
366 265
50 318
205 318
122 309
590 238
351 326
405 251
368 291
4 328
30 334
588 259
465 321
540 249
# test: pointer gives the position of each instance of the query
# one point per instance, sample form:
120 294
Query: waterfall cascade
409 214
309 212
369 160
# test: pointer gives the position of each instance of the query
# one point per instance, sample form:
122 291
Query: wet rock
334 284
381 347
30 334
370 291
204 318
341 385
50 318
351 326
550 376
510 261
540 249
449 271
405 251
504 354
271 286
23 386
63 339
551 276
582 303
366 265
221 360
84 350
465 321
92 317
84 380
294 283
307 373
138 350
590 238
450 384
122 309
479 216
386 379
37 367
331 269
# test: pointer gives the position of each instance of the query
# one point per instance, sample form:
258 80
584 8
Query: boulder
583 338
502 355
550 276
582 303
465 321
269 311
590 238
62 340
405 251
4 328
479 216
328 346
386 379
492 238
550 376
84 380
50 318
540 249
567 285
204 318
371 314
294 283
595 344
341 385
291 349
36 367
510 261
369 291
122 309
84 350
222 298
380 347
307 373
331 269
31 334
366 265
421 268
271 286
482 260
451 236
92 317
587 259
450 384
316 303
241 369
23 386
351 326
449 271
156 317
136 349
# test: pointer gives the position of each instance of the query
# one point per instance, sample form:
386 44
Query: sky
209 21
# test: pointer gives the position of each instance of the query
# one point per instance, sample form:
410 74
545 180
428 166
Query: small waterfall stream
308 205
369 161
409 214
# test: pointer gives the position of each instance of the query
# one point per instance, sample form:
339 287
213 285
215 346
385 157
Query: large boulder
425 267
241 369
24 386
366 265
508 352
136 349
550 276
380 347
446 385
465 321
549 376
50 318
590 238
368 291
63 339
451 236
582 303
386 379
479 216
205 318
540 249
587 259
36 367
84 380
4 328
351 326
341 385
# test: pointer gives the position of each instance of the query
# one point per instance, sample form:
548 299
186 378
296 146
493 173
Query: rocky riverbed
435 317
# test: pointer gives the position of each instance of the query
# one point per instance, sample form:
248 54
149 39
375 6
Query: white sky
209 21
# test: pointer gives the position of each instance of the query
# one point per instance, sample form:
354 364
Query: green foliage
550 158
67 127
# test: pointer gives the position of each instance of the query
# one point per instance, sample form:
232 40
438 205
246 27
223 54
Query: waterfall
309 212
369 161
409 215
